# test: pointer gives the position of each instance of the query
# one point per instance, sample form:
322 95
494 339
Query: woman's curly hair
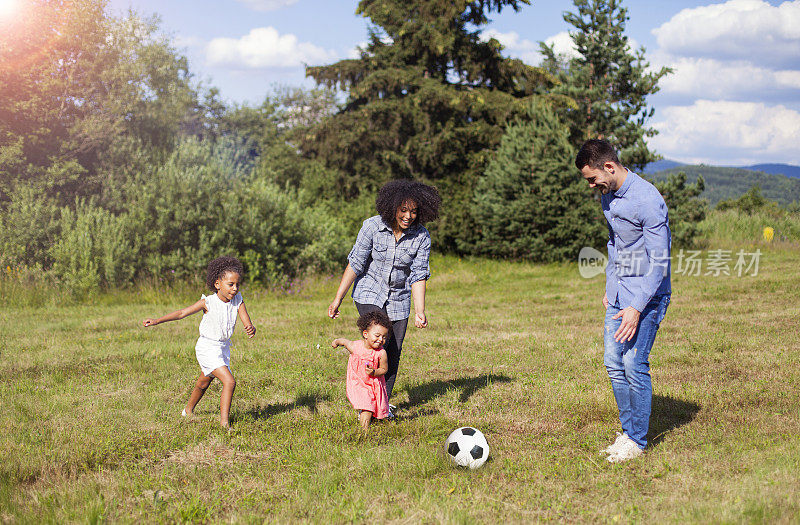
394 193
372 317
219 267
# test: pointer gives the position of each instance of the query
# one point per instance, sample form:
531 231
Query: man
637 287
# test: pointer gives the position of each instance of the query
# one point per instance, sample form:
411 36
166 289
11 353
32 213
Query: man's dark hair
372 317
219 267
394 193
594 153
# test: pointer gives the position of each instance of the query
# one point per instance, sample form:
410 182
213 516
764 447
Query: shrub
95 248
29 225
686 209
205 202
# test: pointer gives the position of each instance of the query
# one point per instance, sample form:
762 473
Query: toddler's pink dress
363 391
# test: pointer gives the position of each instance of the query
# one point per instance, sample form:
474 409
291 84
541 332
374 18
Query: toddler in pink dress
367 366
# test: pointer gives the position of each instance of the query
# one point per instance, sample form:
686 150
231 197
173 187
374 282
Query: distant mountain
730 183
776 169
660 165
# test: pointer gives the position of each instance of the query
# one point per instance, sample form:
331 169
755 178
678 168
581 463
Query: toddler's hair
372 317
219 267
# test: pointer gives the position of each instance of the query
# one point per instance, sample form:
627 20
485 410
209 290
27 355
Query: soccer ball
467 447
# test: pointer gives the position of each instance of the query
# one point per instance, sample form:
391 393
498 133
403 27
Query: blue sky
734 98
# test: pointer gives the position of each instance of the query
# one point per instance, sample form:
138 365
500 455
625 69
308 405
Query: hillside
660 165
727 183
776 169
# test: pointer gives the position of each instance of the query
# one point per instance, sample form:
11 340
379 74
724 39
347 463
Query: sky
732 100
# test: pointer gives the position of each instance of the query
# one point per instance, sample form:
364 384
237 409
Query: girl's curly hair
219 267
394 193
372 317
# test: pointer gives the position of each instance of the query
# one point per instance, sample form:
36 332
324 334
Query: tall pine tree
427 99
607 84
530 203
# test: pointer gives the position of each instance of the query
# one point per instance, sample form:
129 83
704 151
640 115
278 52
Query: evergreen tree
427 99
606 85
686 209
530 203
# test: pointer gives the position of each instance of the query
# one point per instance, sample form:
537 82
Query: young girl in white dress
213 348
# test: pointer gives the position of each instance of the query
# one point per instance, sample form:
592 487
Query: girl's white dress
213 348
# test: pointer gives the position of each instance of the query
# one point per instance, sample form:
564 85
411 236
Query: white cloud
265 48
562 44
527 50
355 51
514 46
267 5
728 133
768 35
731 80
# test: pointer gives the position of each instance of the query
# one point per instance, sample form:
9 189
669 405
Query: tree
272 129
750 202
427 99
605 87
85 97
686 209
530 203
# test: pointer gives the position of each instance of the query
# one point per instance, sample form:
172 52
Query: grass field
90 425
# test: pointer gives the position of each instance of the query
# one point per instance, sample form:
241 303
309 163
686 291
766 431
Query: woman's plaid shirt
386 268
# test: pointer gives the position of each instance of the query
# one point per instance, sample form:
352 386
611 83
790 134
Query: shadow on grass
667 414
309 401
421 394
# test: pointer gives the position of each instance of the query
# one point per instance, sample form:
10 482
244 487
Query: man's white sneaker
627 451
621 437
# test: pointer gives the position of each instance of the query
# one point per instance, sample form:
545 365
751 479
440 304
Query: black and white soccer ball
467 447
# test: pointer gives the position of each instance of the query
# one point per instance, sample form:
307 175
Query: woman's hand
251 331
348 278
333 309
420 321
149 322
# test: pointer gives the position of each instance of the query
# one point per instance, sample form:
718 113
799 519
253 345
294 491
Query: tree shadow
421 394
309 401
667 414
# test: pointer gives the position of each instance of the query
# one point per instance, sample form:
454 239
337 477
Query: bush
95 248
202 203
29 225
749 203
686 209
205 202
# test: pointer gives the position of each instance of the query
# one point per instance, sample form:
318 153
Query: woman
389 263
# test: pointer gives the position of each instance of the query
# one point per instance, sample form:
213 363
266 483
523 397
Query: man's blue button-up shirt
387 268
639 244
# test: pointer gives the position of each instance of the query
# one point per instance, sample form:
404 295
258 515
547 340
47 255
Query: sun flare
8 7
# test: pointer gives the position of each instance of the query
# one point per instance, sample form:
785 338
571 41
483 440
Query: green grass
90 427
731 227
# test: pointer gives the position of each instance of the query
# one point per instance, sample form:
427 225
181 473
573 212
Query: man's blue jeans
628 367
